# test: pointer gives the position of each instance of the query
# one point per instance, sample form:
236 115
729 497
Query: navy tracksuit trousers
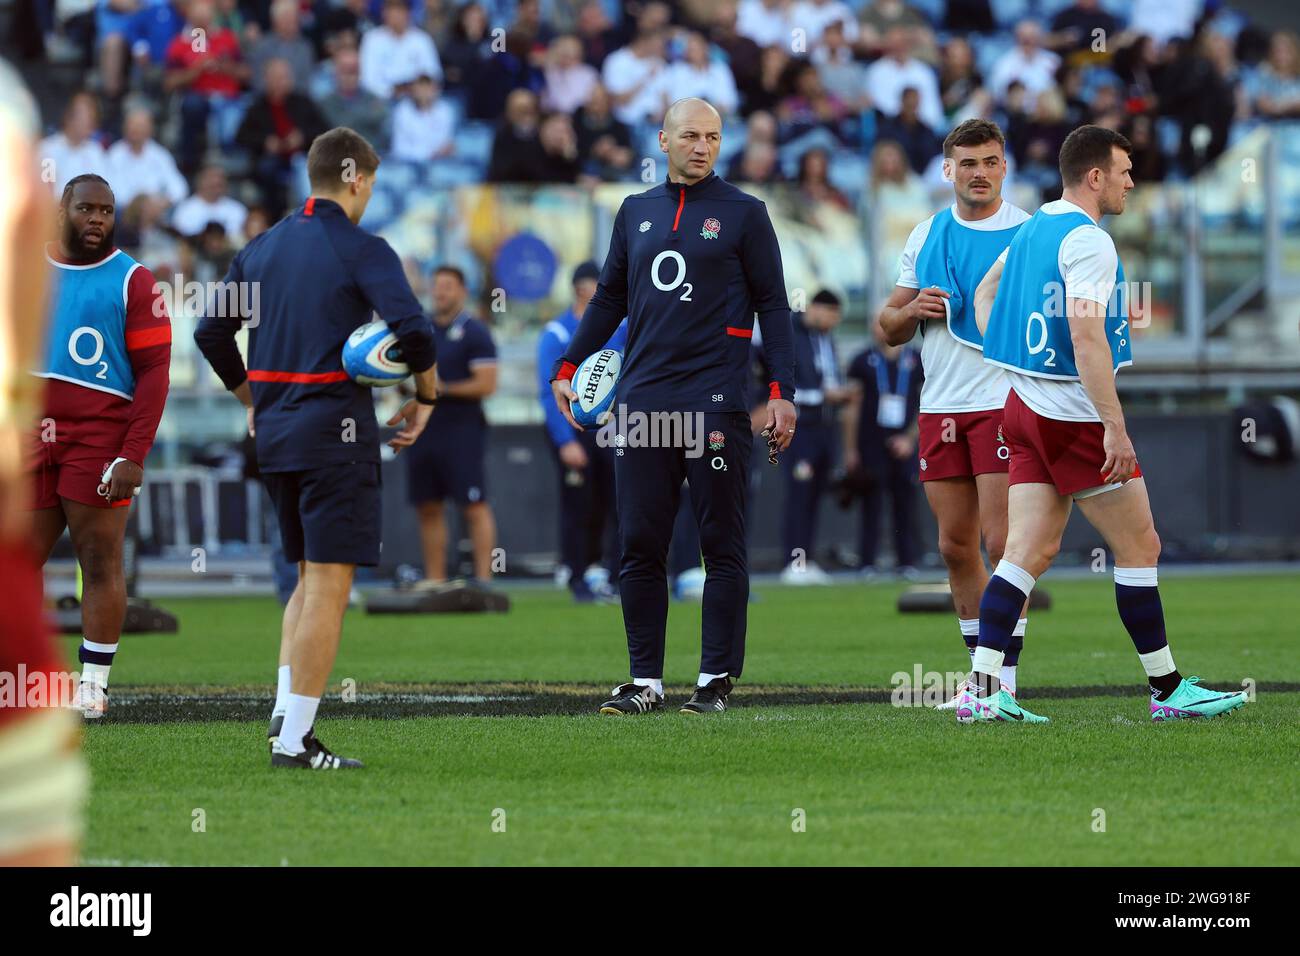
649 481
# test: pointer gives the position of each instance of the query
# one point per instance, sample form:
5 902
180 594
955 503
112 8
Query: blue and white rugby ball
595 382
373 356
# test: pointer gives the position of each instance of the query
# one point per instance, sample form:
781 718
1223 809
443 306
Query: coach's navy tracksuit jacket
689 266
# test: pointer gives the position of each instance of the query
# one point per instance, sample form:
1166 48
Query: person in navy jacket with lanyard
1054 311
880 442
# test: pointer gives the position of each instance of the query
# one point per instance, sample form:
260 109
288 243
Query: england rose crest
711 227
717 440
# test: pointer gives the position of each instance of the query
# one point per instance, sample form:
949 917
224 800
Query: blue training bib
1028 329
956 258
87 338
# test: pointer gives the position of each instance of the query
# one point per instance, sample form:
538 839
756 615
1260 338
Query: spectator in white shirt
394 54
209 204
424 125
697 74
629 73
766 22
1027 62
74 150
569 81
140 167
813 16
898 70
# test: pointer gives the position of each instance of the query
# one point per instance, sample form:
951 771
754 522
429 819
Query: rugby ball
595 382
373 356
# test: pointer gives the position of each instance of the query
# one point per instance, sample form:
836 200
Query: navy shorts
447 461
329 515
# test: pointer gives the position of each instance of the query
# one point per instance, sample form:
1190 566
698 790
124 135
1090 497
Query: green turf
878 784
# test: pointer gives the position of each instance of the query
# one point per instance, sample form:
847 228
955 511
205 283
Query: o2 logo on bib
95 358
1037 318
678 278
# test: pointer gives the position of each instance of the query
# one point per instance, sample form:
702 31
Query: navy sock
999 611
1143 616
1013 650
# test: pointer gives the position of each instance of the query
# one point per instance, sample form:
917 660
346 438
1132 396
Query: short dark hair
451 270
1089 147
827 297
973 132
75 181
330 153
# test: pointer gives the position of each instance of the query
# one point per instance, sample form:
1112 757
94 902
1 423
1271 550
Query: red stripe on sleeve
147 338
740 333
311 204
566 371
773 391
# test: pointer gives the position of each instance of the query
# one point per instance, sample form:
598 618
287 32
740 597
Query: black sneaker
711 698
273 732
314 757
632 699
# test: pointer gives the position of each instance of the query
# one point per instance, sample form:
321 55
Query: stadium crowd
235 90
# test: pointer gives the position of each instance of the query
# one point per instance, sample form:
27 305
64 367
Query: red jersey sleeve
149 345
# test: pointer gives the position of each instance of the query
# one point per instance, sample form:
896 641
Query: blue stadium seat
398 176
849 172
443 173
988 49
474 142
1006 13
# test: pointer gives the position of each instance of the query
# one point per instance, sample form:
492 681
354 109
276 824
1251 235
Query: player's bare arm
414 413
1093 358
985 293
907 308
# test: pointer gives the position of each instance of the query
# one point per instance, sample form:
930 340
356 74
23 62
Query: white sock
703 680
1020 627
987 661
656 682
281 691
299 715
970 627
1158 663
1007 677
1015 575
97 673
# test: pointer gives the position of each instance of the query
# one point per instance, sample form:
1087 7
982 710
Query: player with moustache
691 262
963 459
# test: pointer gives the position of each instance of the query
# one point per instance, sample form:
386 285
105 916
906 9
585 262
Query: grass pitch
483 746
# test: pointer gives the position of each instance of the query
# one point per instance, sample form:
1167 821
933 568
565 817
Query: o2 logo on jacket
676 257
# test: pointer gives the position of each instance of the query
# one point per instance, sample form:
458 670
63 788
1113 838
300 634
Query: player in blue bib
963 459
1055 316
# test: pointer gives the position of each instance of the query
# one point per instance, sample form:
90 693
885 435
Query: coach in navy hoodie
690 263
304 286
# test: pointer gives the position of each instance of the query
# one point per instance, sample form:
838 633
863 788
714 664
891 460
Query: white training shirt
957 379
1088 260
